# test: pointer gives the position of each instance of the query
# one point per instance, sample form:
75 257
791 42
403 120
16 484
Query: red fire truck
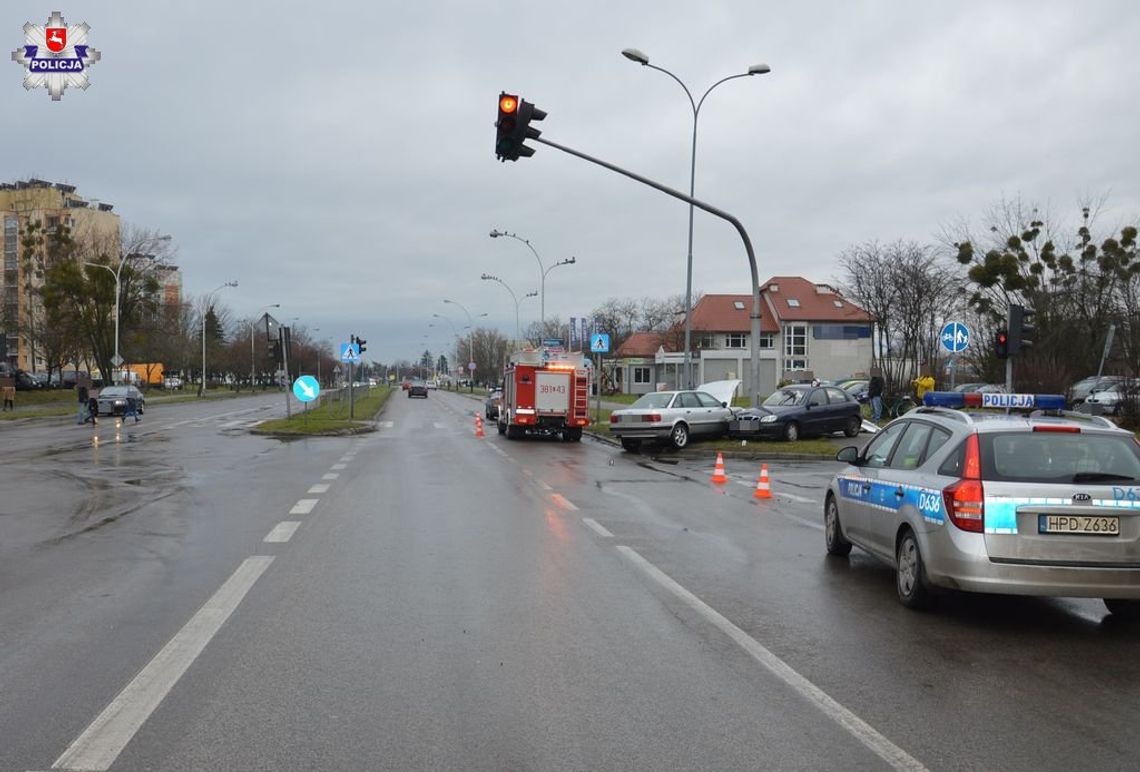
545 391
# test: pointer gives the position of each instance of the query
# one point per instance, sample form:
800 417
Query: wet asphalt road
449 602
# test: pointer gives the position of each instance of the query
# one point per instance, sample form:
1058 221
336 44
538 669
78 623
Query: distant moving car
417 389
799 411
1033 504
675 417
405 385
113 399
172 383
492 403
432 385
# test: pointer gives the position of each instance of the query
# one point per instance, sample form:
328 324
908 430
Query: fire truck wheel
571 435
502 427
514 432
679 437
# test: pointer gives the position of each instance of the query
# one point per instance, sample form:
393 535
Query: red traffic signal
513 127
1001 347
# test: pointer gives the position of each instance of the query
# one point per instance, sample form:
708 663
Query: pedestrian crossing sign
599 343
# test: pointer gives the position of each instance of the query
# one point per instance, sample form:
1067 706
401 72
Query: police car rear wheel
1125 609
836 544
911 573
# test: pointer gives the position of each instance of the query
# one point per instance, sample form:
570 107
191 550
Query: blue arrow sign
955 337
306 388
350 352
599 343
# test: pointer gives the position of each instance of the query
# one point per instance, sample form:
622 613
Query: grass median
332 417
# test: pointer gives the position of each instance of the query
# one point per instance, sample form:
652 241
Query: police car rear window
1059 457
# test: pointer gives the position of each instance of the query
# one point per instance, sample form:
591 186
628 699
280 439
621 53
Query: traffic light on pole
513 127
1021 329
360 342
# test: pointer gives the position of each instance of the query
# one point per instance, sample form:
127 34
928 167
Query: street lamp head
495 233
533 294
478 315
759 69
635 56
231 283
486 277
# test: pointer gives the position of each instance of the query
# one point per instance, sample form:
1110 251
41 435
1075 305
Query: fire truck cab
545 391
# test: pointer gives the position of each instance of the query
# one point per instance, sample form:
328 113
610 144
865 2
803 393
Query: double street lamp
757 69
117 272
470 342
489 277
541 270
206 312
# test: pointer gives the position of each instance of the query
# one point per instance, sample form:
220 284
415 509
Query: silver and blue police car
1038 502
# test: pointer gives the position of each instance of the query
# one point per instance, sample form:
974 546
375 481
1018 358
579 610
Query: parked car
25 381
492 403
113 399
432 385
64 379
980 388
1112 398
172 383
417 389
675 417
857 388
799 411
1082 389
994 503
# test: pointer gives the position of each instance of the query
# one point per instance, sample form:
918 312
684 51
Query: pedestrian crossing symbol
600 343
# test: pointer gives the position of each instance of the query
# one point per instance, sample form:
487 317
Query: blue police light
956 400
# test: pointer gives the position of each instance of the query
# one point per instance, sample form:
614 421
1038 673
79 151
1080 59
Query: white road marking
439 425
794 497
562 501
596 526
339 466
319 488
346 459
386 424
282 532
544 486
895 756
303 507
104 739
329 476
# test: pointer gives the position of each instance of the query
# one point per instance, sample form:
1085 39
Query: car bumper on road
646 433
958 560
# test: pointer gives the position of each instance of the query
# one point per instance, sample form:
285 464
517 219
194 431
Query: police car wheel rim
831 521
908 566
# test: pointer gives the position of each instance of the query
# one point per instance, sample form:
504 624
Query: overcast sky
337 157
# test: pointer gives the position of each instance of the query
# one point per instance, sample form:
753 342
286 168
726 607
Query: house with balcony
807 329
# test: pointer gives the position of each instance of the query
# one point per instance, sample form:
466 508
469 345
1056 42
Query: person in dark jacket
875 394
81 393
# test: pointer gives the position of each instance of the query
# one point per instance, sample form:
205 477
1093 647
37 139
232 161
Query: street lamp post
470 343
252 354
542 271
514 297
205 313
117 272
757 69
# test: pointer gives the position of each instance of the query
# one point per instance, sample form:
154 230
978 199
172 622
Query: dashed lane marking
105 738
282 532
339 466
303 507
319 488
329 476
895 756
594 525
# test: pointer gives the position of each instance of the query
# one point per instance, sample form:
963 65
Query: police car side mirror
849 455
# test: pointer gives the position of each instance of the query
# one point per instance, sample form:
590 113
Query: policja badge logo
55 56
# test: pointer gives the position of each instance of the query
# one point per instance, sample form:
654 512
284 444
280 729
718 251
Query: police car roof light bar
957 399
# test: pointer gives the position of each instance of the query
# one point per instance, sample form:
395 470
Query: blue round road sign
955 337
306 388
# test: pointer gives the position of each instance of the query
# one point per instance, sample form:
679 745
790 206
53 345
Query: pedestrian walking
82 394
132 408
92 410
875 393
922 384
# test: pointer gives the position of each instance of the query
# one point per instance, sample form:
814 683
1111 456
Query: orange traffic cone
479 426
763 486
718 473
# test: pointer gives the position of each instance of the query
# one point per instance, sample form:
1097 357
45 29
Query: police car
1033 503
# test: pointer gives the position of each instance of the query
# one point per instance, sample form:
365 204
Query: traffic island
331 419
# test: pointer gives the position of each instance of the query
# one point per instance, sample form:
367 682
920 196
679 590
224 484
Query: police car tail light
965 499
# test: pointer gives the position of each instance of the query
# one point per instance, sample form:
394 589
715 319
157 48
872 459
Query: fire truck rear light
525 411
